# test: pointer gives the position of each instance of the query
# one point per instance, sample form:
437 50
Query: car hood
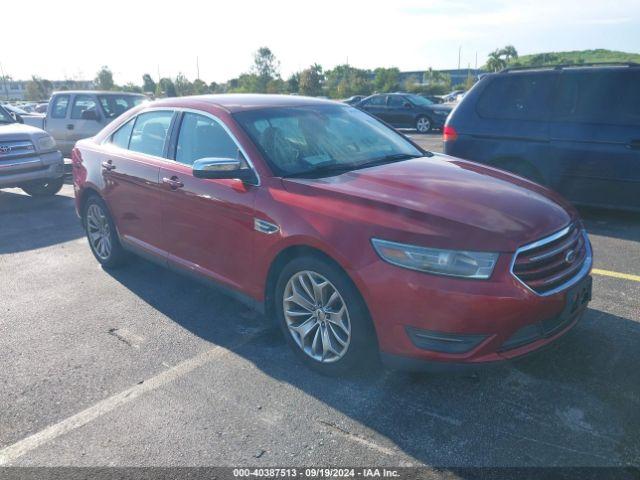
18 131
441 201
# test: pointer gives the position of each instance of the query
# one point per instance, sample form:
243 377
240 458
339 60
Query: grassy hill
574 57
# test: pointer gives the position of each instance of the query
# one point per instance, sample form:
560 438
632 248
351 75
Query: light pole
4 82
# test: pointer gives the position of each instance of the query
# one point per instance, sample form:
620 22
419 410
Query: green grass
574 57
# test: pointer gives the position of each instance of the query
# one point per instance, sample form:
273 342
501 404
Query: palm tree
509 53
495 62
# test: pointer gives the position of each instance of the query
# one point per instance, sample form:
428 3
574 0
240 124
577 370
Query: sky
73 39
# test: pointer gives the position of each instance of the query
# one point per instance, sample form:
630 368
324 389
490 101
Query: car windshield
5 117
116 105
420 101
319 140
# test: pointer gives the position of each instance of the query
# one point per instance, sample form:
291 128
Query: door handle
173 182
70 126
634 145
108 165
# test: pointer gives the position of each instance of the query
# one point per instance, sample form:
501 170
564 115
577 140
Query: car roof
583 67
236 102
98 92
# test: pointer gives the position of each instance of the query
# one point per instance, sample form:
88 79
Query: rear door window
600 97
396 101
378 101
115 105
150 132
517 97
81 104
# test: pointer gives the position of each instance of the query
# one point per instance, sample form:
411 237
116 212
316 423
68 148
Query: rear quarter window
602 97
517 97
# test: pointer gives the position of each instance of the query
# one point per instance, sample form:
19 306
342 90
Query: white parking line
12 452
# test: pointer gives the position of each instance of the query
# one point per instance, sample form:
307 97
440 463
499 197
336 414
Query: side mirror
222 168
89 115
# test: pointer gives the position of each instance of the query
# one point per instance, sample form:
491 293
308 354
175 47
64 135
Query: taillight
76 158
449 134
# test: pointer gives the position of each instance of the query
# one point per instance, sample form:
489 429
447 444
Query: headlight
46 143
454 263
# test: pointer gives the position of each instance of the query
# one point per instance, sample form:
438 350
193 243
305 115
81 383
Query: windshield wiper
395 157
337 169
324 171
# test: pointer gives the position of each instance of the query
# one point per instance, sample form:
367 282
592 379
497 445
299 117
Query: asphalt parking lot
141 366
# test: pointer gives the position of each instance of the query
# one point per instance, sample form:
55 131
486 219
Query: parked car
405 110
28 158
573 129
433 98
350 236
451 96
41 107
22 116
73 115
27 107
353 99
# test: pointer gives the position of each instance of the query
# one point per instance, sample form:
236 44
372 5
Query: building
17 89
458 76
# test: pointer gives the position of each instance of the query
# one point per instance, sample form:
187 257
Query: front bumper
484 321
15 172
438 121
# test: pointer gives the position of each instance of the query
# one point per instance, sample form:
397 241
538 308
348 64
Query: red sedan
355 240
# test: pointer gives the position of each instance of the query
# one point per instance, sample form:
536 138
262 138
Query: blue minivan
575 129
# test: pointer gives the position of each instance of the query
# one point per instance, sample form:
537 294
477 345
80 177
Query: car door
56 122
595 137
376 105
400 112
85 118
208 223
511 129
131 167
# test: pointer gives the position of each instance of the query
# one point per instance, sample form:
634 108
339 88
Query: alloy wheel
423 125
99 231
317 316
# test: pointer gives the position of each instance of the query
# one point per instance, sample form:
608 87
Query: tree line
264 76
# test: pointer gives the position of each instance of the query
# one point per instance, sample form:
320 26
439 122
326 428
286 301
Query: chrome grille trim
15 149
582 272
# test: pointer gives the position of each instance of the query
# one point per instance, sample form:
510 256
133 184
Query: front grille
552 263
15 149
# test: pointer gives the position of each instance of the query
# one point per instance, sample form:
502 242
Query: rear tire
43 188
102 234
323 317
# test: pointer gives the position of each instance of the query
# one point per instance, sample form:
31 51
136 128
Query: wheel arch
291 252
86 193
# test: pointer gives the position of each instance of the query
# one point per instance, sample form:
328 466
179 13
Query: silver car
29 158
74 115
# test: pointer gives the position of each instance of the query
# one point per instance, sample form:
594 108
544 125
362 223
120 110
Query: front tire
423 124
43 188
323 317
101 233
